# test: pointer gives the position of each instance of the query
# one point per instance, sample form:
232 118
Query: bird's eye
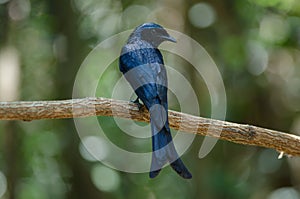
153 31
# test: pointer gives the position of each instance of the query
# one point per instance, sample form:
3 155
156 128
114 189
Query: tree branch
238 133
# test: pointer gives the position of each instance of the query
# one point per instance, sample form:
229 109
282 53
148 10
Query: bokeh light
255 44
202 15
135 15
3 184
93 148
19 9
104 178
258 58
274 28
9 74
285 192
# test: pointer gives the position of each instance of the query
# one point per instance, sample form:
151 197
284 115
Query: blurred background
255 44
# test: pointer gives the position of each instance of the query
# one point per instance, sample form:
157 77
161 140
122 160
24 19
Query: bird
142 65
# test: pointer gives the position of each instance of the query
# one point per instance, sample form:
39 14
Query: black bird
142 65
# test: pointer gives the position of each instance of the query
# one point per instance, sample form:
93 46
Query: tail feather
164 151
159 154
162 145
179 167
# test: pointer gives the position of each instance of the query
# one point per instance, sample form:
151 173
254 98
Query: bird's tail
163 148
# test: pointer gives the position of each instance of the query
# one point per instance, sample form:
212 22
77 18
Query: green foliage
255 45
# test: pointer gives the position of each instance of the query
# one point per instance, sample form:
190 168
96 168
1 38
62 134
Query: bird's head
153 34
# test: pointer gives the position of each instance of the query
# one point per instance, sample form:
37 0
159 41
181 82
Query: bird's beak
169 38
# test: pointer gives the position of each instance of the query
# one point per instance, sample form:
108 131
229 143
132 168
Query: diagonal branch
238 133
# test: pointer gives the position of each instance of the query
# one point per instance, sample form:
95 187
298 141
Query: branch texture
238 133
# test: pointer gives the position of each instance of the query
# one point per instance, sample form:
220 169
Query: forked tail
163 147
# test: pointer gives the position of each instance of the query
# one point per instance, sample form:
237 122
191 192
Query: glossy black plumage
142 65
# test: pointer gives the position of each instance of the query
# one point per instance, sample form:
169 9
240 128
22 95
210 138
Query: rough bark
238 133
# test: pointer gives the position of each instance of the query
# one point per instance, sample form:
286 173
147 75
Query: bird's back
142 65
138 53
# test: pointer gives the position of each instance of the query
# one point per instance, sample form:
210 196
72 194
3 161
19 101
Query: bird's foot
137 102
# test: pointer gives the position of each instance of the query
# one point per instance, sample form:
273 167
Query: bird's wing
140 69
162 85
